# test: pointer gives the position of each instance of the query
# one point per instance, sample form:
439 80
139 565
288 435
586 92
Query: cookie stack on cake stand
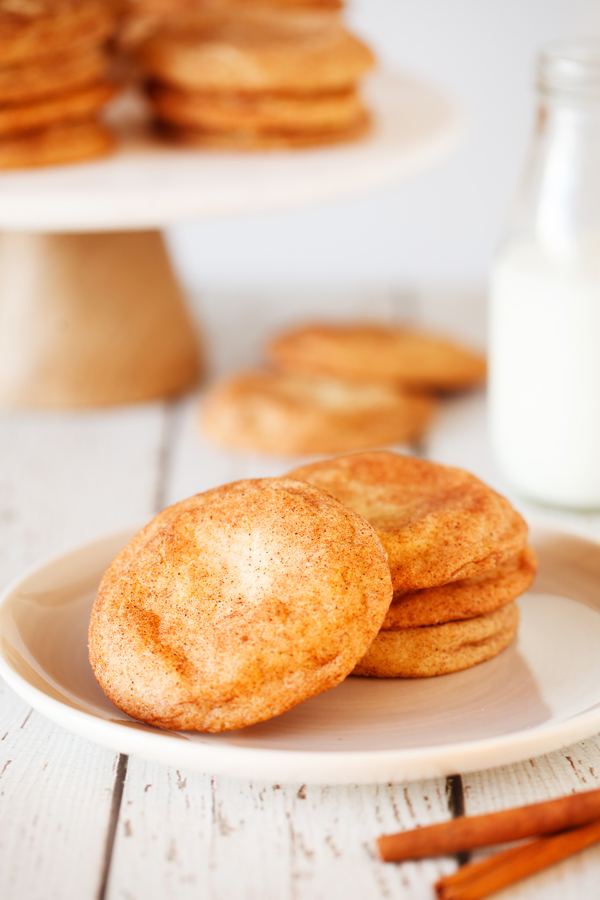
91 312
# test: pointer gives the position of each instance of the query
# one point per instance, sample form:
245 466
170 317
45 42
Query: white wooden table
78 822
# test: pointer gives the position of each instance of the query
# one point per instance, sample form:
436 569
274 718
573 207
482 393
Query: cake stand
91 312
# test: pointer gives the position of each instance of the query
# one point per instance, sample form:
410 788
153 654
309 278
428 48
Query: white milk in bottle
545 296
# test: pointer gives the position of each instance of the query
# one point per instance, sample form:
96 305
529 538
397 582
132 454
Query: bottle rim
570 67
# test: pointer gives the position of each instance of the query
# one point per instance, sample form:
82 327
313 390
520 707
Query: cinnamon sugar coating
237 604
464 599
440 649
438 524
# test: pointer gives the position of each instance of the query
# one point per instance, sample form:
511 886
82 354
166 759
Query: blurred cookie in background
64 143
335 388
158 10
296 414
166 8
256 77
261 140
144 17
309 116
372 352
254 51
53 80
32 29
37 79
77 105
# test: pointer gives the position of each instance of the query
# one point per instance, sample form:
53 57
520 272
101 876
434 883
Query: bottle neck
558 202
569 70
556 111
564 193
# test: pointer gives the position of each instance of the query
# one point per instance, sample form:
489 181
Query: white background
443 225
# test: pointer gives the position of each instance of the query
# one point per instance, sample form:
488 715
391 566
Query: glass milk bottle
545 295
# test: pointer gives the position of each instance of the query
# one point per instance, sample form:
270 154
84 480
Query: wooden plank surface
571 770
65 478
186 835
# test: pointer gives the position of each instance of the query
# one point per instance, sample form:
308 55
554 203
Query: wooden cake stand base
91 320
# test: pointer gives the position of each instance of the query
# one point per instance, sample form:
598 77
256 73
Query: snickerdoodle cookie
287 414
31 29
440 649
167 8
255 76
438 524
464 599
145 17
235 605
80 105
373 352
53 63
64 73
257 140
65 143
298 114
255 51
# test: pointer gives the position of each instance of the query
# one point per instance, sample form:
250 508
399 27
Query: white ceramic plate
540 694
147 184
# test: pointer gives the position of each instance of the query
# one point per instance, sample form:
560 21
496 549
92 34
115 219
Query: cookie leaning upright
53 80
438 524
256 78
237 604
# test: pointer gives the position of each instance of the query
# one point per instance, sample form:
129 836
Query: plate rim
293 766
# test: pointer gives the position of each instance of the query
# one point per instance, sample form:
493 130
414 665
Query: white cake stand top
148 185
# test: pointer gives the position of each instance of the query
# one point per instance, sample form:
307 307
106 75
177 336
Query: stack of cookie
458 557
53 80
237 604
248 77
332 389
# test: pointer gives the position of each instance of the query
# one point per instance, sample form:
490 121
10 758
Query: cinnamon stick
478 880
469 832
